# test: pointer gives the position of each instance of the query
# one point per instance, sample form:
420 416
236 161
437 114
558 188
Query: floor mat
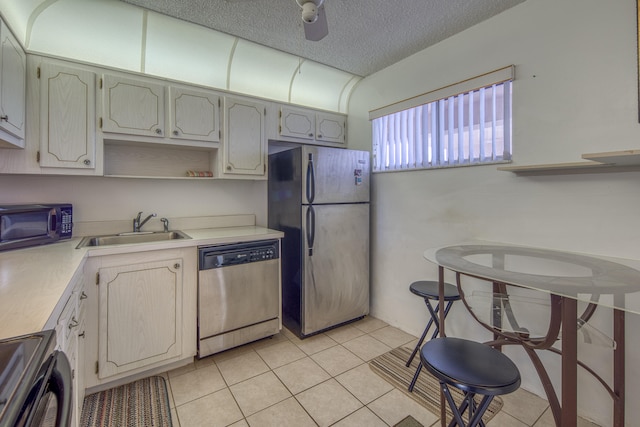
409 421
142 403
391 367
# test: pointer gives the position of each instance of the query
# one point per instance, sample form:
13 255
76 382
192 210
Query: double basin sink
129 238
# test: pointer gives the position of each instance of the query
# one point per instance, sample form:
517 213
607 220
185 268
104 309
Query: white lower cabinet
141 319
81 336
70 335
140 315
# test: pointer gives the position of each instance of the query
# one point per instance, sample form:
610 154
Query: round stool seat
470 366
429 289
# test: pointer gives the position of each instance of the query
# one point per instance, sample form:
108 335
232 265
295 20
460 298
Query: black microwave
34 224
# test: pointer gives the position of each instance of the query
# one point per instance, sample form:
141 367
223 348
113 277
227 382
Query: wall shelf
610 161
617 158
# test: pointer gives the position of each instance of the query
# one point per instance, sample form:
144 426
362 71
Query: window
462 124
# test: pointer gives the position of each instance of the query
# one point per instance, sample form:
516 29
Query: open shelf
611 161
139 160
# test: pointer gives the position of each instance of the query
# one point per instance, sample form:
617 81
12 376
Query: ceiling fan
314 18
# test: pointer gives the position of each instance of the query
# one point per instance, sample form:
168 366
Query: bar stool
428 290
473 368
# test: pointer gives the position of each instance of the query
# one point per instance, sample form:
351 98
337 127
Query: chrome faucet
165 222
137 224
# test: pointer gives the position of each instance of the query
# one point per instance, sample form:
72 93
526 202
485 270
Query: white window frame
432 130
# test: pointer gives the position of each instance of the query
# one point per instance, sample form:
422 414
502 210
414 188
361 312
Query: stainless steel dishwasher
238 294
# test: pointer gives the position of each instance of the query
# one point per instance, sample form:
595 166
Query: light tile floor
320 381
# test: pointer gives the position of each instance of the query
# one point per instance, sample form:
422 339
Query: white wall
120 35
107 199
575 92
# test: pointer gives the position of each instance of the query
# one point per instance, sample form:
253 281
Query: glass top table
568 274
568 278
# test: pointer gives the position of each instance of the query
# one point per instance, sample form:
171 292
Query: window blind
446 127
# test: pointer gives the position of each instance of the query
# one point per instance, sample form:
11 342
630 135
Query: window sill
454 166
611 161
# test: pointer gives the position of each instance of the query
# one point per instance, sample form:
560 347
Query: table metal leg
618 368
564 316
569 362
441 300
443 408
497 312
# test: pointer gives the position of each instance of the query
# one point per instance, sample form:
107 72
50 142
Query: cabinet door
67 117
13 69
194 115
78 389
296 123
72 355
132 106
330 128
140 320
245 139
81 336
67 342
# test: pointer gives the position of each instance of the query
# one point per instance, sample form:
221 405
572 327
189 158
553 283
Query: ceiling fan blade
318 30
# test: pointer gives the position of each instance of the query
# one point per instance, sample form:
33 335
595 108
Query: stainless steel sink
128 238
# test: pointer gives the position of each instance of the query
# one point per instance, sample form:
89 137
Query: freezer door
336 265
334 175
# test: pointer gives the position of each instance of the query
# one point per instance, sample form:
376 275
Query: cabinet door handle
176 266
310 135
83 295
87 162
4 118
81 334
176 133
74 323
159 131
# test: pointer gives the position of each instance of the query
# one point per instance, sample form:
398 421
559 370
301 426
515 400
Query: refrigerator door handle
311 180
311 228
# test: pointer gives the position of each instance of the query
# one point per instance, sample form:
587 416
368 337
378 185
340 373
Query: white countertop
34 281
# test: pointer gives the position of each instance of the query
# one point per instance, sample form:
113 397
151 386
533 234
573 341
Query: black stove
35 382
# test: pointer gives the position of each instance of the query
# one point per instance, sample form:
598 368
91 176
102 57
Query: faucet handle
165 222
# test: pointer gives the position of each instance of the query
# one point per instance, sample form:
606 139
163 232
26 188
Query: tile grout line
308 354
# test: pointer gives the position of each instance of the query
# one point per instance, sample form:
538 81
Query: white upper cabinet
310 126
132 106
142 107
67 117
297 123
331 128
244 139
194 114
13 72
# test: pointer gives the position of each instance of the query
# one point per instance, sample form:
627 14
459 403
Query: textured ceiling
365 36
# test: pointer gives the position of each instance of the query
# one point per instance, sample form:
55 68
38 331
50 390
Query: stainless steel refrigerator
319 198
